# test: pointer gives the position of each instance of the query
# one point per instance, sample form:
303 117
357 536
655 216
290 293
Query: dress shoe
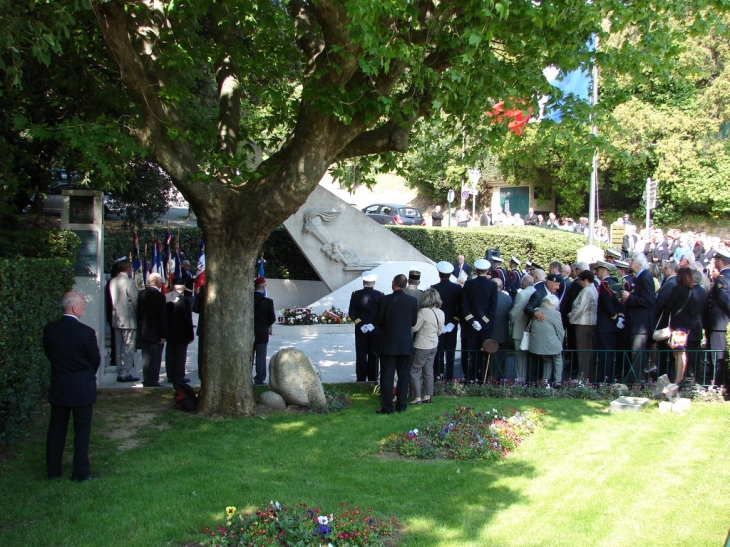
418 402
260 384
425 401
128 378
383 411
89 477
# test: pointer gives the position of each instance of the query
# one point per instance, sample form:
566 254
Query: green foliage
30 296
38 243
526 243
337 400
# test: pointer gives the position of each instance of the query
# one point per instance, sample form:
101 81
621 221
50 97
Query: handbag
665 333
661 334
525 342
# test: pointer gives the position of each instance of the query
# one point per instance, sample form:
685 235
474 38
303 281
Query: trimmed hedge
284 260
540 245
30 294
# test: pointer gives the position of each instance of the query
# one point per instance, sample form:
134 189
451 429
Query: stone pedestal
628 404
680 406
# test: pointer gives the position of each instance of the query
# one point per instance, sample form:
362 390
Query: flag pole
594 173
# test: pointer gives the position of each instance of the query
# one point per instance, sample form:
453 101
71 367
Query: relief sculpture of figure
335 249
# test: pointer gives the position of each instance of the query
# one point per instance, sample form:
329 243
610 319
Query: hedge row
524 242
30 296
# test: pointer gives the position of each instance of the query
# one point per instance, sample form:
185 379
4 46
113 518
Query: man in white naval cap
363 305
450 293
478 303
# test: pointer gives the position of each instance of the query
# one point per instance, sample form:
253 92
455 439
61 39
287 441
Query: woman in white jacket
583 318
428 327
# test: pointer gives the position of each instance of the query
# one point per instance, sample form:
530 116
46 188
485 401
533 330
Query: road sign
465 194
450 196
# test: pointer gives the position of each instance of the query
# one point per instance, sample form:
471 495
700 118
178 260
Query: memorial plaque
86 261
81 210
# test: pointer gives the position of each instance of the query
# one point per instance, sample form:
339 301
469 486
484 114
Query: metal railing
596 366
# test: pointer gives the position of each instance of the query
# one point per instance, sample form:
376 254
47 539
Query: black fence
596 366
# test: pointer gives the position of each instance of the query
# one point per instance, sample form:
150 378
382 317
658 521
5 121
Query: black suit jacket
686 310
717 306
464 266
151 316
479 300
364 306
73 351
450 300
263 317
179 321
536 299
662 297
397 313
640 305
607 307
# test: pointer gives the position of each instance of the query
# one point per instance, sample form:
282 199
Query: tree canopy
246 105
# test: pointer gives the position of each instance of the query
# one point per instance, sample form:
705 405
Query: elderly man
640 303
450 303
500 331
461 269
397 313
437 216
124 296
152 329
519 322
478 304
73 351
362 310
609 320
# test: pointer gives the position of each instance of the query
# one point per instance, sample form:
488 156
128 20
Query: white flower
322 520
415 431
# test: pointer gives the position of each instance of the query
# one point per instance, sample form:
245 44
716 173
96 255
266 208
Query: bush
30 294
540 245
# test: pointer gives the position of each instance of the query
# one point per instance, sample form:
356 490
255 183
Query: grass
585 478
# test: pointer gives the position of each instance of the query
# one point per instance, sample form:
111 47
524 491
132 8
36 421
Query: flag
178 260
576 83
200 274
139 278
516 118
157 265
145 271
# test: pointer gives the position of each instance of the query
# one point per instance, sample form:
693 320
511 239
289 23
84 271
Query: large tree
317 83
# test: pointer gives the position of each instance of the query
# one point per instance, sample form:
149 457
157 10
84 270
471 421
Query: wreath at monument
307 316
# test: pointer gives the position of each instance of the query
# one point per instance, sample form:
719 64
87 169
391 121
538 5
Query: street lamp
474 176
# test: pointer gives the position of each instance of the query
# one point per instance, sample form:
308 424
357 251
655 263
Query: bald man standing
73 351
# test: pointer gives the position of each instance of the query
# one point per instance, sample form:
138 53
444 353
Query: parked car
388 213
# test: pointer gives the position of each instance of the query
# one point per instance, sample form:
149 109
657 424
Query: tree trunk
227 343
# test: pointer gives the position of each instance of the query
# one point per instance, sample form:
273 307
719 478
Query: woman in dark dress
685 305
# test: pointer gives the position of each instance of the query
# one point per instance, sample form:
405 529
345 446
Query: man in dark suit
450 301
363 307
661 316
73 351
263 317
461 266
397 313
478 303
609 320
639 304
179 334
716 317
151 329
531 217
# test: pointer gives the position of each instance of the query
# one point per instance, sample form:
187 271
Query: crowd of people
612 321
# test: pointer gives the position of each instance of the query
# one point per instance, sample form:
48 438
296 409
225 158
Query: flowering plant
280 525
467 435
306 316
333 316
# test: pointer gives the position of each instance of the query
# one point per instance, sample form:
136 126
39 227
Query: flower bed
306 316
280 525
467 435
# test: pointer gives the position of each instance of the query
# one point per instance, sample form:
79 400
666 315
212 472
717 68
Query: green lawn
586 478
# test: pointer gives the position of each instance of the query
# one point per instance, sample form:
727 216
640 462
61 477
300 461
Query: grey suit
546 339
519 323
124 296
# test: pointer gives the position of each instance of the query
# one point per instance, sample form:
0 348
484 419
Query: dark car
54 198
402 215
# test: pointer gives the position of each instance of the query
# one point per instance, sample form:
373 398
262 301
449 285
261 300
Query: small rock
273 400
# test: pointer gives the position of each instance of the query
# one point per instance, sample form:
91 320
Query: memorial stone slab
628 404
